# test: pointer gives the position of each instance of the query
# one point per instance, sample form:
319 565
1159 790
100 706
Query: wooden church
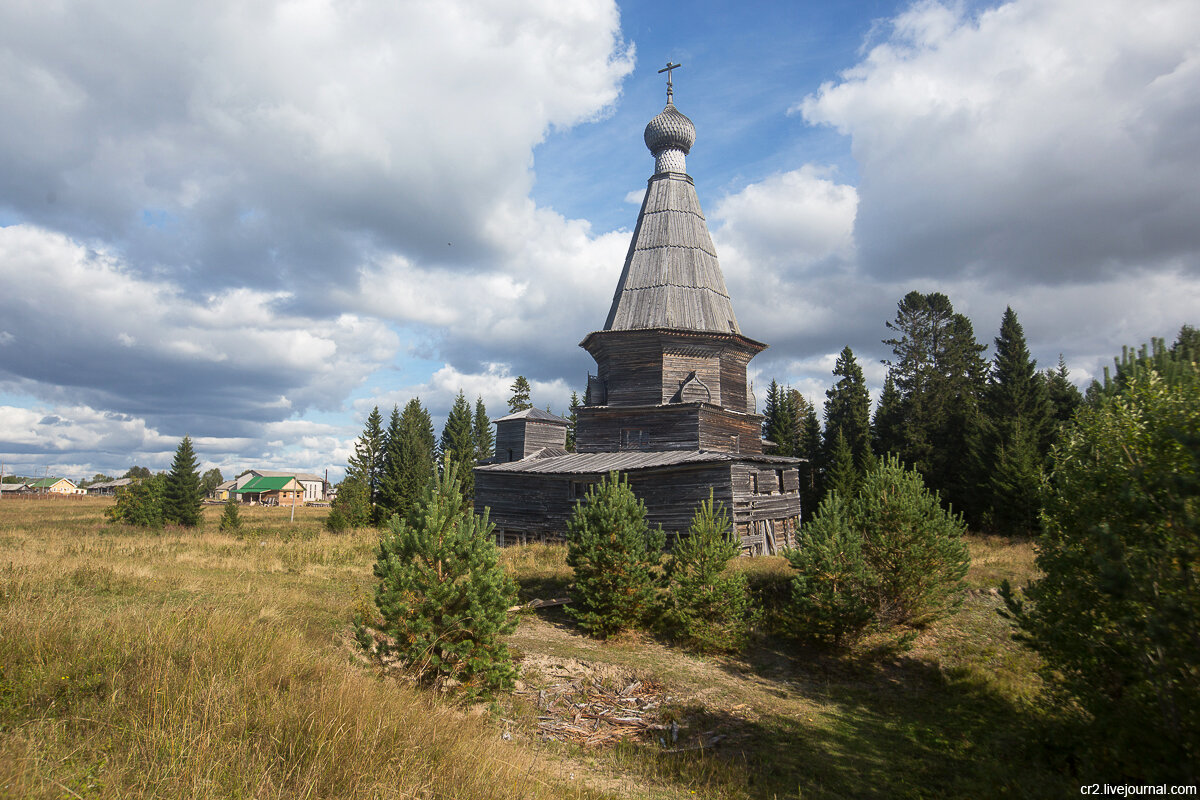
669 406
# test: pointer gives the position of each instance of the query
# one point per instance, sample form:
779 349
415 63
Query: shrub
614 554
889 556
707 607
231 520
353 502
139 503
336 521
1116 613
442 595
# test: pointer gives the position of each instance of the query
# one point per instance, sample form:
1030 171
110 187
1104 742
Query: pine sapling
442 594
707 607
615 556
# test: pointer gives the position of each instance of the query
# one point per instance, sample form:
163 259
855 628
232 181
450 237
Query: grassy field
200 664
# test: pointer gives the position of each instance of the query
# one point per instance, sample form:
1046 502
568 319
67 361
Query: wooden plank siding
604 429
516 439
527 506
650 367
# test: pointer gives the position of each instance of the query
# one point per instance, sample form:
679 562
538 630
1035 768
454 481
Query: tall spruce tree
519 401
887 429
390 495
939 372
481 430
1187 344
181 491
843 476
410 459
366 465
1017 415
848 409
573 417
458 444
1064 397
811 478
779 419
418 452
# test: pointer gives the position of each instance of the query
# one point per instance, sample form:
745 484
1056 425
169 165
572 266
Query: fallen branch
558 601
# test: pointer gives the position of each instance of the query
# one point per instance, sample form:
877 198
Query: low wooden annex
670 406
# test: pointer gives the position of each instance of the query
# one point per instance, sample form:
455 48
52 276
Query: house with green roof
272 491
55 486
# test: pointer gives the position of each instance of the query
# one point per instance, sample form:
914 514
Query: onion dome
670 130
670 137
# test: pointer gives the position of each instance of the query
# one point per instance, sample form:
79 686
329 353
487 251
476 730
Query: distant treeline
979 432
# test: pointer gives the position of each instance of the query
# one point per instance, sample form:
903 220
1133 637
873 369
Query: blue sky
251 224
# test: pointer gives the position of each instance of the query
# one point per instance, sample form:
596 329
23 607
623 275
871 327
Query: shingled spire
672 278
671 345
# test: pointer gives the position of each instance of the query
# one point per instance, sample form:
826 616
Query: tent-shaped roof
535 414
671 278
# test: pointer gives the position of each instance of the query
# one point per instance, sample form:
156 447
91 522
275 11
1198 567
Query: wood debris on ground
585 711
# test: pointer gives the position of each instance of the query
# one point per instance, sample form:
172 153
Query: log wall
529 507
605 429
518 438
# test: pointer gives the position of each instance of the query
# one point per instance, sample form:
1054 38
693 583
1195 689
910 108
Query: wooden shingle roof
672 278
535 414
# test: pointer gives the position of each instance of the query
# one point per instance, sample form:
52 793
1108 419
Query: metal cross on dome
667 69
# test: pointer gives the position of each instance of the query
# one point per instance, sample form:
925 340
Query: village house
223 490
108 487
312 486
670 406
281 490
62 486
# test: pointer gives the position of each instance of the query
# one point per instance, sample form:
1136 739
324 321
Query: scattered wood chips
587 712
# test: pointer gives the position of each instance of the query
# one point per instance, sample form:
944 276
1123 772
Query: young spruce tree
1115 613
890 549
615 555
231 520
181 498
443 595
139 503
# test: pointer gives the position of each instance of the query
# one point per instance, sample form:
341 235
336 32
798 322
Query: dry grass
196 664
999 558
